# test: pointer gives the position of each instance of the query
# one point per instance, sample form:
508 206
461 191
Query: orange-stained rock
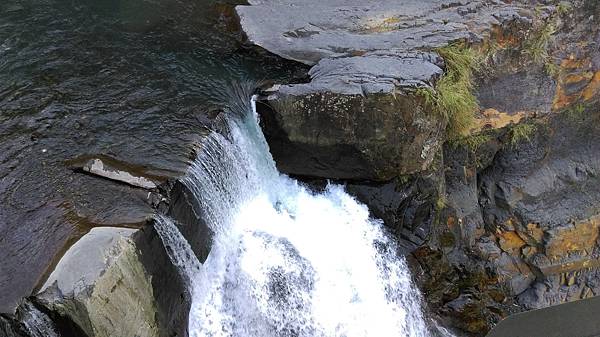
593 87
535 232
578 73
581 237
494 119
510 242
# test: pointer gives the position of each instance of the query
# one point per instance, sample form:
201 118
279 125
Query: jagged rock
101 284
356 119
407 206
106 285
183 207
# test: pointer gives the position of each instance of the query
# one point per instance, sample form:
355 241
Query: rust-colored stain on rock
578 238
494 119
510 242
573 72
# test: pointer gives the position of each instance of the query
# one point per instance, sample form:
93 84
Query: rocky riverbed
499 215
104 104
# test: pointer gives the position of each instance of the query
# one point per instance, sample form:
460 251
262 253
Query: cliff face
497 210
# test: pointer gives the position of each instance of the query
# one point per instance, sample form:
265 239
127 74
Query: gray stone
357 118
312 30
102 286
98 167
369 74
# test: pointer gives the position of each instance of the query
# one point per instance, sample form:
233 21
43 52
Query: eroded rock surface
361 115
496 223
310 31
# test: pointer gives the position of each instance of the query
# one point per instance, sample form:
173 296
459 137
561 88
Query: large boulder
357 118
115 282
103 287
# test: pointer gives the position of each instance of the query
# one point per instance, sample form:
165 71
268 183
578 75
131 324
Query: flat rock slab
98 167
308 31
377 72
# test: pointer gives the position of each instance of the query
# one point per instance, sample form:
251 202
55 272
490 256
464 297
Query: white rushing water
286 261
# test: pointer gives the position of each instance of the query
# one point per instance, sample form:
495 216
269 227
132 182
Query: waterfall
36 323
178 249
286 261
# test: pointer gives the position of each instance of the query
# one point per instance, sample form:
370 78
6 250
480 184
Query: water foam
287 261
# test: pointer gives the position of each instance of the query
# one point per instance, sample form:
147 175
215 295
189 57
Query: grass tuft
564 8
453 96
520 133
576 113
536 47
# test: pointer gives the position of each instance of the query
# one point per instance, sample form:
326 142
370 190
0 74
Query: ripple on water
128 79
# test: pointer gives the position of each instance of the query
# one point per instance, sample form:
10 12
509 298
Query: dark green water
132 80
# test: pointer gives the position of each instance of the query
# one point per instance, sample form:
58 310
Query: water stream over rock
287 261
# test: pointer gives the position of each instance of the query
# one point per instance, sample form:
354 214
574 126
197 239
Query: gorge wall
469 127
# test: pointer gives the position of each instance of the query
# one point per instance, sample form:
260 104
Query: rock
359 118
98 167
510 242
356 119
101 284
581 237
11 328
316 30
514 272
184 208
468 309
407 206
106 286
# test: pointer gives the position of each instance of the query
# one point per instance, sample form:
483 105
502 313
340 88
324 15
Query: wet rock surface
356 119
494 224
130 84
363 115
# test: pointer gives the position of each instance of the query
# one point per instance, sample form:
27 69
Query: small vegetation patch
520 133
536 47
576 113
453 96
472 143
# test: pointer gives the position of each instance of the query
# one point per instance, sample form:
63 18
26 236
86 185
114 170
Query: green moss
441 203
521 132
472 143
453 97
